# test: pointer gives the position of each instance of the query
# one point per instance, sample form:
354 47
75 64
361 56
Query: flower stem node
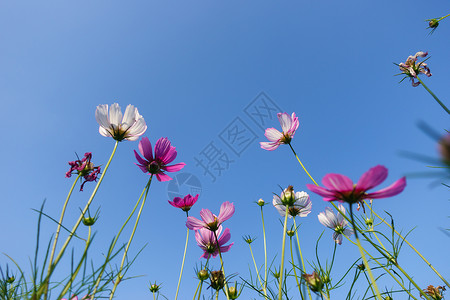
217 280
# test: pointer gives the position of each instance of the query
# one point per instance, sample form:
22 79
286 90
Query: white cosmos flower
129 126
335 222
301 207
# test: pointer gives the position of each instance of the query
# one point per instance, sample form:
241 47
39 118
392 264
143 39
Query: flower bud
10 279
260 202
155 287
290 233
369 222
388 298
433 23
89 221
314 281
288 196
361 267
232 292
202 275
217 280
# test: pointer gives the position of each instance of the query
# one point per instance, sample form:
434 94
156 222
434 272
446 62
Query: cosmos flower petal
163 177
226 211
194 224
170 155
337 237
115 115
129 117
162 147
337 182
103 131
392 190
273 135
207 216
101 115
174 168
140 160
321 191
285 121
370 179
145 147
269 145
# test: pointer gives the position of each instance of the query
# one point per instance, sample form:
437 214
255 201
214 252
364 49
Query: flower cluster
85 168
412 68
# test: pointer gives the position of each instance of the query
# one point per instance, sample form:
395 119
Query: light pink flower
335 222
341 188
289 124
164 154
207 241
184 203
209 220
411 68
130 126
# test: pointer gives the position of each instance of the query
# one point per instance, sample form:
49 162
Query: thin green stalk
119 275
154 297
442 18
117 237
301 257
361 250
221 267
217 294
75 227
198 286
265 254
256 267
293 266
306 171
280 282
182 264
410 245
60 223
434 96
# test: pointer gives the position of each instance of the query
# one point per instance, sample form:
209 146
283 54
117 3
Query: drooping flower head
156 165
207 241
436 293
184 203
299 203
85 168
341 188
130 126
412 68
335 222
209 220
289 124
314 281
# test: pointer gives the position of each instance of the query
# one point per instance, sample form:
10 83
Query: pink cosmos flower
164 154
129 126
184 203
341 188
411 68
85 168
335 222
207 241
209 220
289 124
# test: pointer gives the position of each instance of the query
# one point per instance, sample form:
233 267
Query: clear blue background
191 67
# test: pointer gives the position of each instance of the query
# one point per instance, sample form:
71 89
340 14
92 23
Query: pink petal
337 182
225 237
321 191
142 161
162 147
269 145
174 168
370 179
285 121
163 177
226 211
145 147
392 190
176 202
226 248
207 216
273 135
170 156
194 224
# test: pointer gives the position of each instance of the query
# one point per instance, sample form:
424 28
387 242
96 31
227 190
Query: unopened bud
290 233
217 280
89 221
202 275
155 287
433 23
288 196
314 282
260 202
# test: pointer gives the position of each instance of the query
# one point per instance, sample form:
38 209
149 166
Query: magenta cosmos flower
207 241
85 168
209 220
289 124
129 126
412 68
341 188
156 165
184 203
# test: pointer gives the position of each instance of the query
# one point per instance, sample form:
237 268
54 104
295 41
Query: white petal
323 219
138 128
101 115
104 131
285 121
129 117
273 135
115 115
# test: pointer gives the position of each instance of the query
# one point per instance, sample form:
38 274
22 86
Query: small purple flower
157 165
335 222
209 220
412 68
289 124
207 241
184 203
85 168
341 188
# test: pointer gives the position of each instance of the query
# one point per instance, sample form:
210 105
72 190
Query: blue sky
192 69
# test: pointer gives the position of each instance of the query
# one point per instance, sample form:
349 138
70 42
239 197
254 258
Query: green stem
198 285
265 254
77 224
442 18
182 264
301 257
304 169
119 275
361 250
434 96
221 267
293 266
280 282
256 267
410 245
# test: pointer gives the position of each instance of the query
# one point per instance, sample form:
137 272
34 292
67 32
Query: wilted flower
217 280
184 203
436 293
341 188
129 127
299 203
85 168
335 222
207 241
411 68
164 154
314 282
209 220
289 124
